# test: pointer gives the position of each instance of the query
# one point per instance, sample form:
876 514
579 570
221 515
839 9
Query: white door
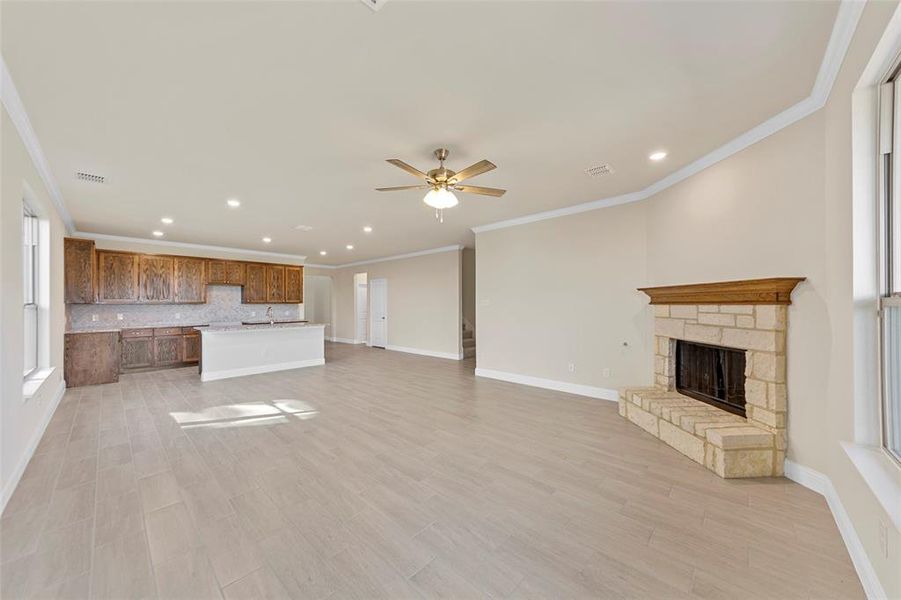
362 312
378 311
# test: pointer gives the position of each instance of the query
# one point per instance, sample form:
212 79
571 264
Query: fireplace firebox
712 374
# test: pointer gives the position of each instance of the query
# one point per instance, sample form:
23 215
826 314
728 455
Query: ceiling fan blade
485 191
408 168
403 187
483 166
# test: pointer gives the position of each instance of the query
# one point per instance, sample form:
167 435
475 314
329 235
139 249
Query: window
890 264
30 258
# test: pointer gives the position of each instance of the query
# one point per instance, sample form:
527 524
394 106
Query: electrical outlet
883 538
253 313
572 368
287 312
177 315
605 373
94 318
120 316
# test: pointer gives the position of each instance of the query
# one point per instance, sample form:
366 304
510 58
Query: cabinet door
137 352
190 283
275 283
191 353
79 267
255 284
157 274
234 273
216 271
117 277
294 284
91 358
168 350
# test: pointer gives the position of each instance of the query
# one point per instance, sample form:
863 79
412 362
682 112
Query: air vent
90 177
304 228
374 4
599 170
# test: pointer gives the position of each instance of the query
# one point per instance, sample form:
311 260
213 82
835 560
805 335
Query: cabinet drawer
167 331
133 333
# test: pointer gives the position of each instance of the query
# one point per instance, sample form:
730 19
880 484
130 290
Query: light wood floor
389 475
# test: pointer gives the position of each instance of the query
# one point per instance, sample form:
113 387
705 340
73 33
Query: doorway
361 308
378 302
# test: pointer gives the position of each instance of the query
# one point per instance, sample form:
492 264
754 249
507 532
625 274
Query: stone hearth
746 315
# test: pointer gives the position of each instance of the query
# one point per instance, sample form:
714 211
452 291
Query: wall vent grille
599 170
89 177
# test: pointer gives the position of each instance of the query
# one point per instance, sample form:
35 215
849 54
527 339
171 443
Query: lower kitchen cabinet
167 350
91 358
191 353
137 352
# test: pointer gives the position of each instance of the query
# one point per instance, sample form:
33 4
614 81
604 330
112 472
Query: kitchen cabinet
79 270
229 272
137 348
156 278
168 350
235 272
190 282
91 358
294 285
117 277
255 284
275 284
191 347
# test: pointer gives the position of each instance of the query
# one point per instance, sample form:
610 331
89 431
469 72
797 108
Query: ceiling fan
442 180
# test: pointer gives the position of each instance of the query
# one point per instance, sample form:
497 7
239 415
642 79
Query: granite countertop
108 329
263 327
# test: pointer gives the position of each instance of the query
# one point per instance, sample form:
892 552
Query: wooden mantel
775 290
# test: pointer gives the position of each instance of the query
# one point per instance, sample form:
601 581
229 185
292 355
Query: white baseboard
820 483
551 384
342 340
226 373
432 353
10 486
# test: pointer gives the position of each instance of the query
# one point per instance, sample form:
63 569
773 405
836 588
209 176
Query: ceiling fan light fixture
441 198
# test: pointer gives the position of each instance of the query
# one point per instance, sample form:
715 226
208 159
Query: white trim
551 384
226 373
169 243
432 353
9 95
882 475
17 473
402 256
31 385
842 31
341 340
819 483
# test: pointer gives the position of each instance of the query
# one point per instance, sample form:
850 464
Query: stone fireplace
719 372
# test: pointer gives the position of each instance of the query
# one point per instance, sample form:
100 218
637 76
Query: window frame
31 297
889 242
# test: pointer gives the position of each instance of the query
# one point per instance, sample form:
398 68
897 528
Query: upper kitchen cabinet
255 284
117 277
190 280
294 285
234 272
80 270
275 284
229 272
157 274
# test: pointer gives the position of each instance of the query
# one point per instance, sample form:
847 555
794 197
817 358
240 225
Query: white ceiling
292 107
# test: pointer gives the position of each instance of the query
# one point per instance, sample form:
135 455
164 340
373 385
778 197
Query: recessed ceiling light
367 229
349 246
322 252
233 202
167 220
266 240
158 233
659 155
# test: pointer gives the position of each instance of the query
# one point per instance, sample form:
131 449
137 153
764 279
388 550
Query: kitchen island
238 350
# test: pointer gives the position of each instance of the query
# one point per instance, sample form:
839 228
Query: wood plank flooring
387 475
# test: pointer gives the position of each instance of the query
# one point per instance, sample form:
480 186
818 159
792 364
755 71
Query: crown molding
843 28
170 244
453 248
9 95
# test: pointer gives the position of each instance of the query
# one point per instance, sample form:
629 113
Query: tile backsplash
223 305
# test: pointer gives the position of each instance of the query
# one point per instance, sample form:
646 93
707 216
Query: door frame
371 319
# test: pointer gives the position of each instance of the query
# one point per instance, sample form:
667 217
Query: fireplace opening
711 374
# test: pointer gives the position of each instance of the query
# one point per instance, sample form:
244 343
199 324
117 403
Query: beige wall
22 421
782 207
469 286
149 247
561 292
424 300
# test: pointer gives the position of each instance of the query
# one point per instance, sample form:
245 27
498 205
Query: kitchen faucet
269 315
